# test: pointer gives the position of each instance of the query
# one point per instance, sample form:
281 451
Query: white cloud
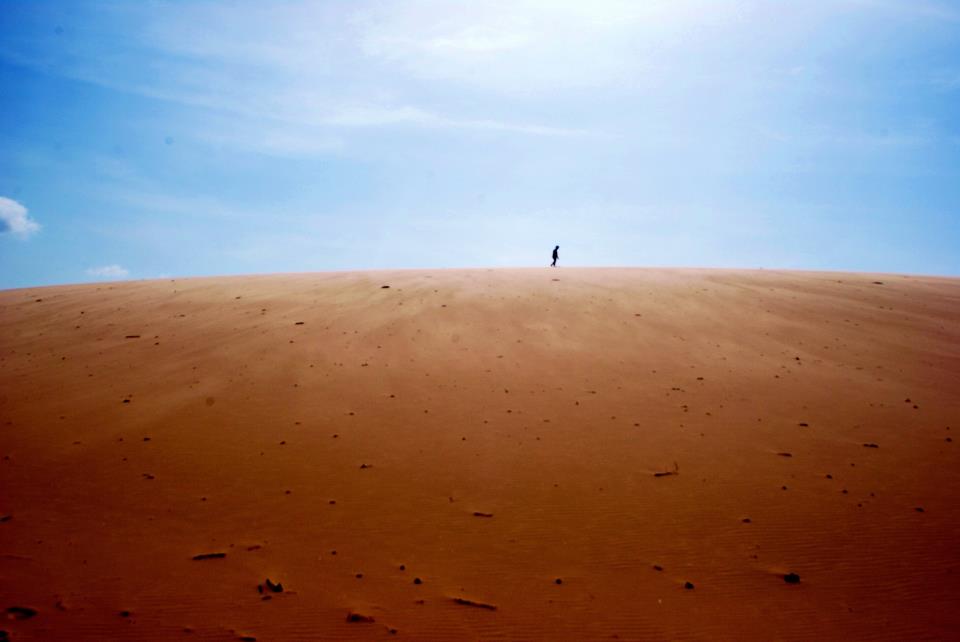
304 74
112 271
524 46
15 220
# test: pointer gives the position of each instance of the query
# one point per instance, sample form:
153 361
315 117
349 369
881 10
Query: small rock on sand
274 587
21 612
791 578
479 605
354 618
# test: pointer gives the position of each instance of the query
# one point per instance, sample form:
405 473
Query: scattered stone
275 588
785 454
688 586
355 618
124 614
479 605
657 567
21 612
477 513
210 556
5 518
417 580
148 476
746 520
403 567
132 336
803 424
558 581
298 323
919 509
364 466
384 287
871 445
791 578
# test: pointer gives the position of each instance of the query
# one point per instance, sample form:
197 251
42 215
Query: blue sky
165 138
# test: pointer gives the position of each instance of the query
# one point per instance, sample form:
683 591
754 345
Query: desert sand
535 454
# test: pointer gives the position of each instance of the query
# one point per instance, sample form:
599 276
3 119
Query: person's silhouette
556 255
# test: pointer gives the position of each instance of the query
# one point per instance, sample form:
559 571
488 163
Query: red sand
278 419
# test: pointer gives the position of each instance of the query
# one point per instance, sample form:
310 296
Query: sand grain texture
553 454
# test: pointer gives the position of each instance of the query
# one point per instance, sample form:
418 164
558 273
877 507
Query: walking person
556 255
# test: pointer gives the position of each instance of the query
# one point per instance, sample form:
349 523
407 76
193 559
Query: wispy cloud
920 9
15 219
112 271
946 79
305 74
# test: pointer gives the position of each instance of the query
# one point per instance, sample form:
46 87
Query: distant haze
154 139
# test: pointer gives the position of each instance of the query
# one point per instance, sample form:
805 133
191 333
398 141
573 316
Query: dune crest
392 448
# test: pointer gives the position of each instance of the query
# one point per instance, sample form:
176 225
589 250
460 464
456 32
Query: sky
161 139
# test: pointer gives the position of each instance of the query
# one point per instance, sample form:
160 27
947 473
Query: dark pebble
357 617
791 578
276 588
21 612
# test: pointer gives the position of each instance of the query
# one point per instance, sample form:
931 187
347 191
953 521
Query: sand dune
580 454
